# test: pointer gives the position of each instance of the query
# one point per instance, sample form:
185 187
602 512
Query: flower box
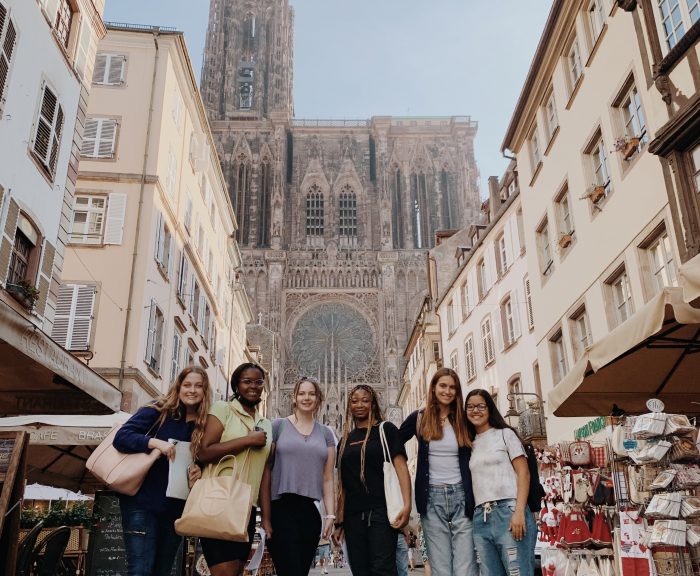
565 240
596 194
24 293
627 146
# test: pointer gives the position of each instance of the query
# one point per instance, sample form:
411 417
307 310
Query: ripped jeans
497 552
151 542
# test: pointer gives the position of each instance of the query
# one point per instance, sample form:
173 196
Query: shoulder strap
385 444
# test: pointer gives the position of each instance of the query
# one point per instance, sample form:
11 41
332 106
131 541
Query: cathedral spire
247 72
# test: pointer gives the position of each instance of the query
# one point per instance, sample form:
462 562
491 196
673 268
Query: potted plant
627 146
565 239
595 193
78 517
24 292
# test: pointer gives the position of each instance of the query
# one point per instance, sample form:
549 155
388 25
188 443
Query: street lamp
527 422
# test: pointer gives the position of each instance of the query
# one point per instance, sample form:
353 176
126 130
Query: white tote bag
392 488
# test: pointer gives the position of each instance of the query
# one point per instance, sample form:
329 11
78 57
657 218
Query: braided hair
375 417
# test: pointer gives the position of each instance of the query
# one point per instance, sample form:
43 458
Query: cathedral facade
334 217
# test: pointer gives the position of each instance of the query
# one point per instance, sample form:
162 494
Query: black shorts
220 551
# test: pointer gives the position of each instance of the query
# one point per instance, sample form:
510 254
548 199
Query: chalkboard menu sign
106 553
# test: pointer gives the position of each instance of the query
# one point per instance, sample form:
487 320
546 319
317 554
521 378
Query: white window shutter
114 225
82 318
115 70
107 138
8 40
74 313
64 306
84 45
515 305
90 136
499 327
201 316
151 334
98 74
528 304
158 248
509 240
51 9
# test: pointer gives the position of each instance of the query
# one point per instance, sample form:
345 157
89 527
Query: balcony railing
532 423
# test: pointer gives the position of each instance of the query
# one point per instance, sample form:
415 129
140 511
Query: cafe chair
24 552
48 554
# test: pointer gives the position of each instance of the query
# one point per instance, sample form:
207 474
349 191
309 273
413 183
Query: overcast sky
363 58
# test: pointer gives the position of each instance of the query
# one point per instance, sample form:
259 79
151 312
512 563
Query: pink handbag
123 473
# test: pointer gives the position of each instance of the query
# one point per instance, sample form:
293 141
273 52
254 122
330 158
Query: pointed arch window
421 220
314 211
264 203
242 200
447 208
397 209
348 212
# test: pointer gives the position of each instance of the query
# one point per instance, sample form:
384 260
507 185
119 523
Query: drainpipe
137 234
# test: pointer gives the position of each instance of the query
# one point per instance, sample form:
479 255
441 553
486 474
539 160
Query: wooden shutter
8 40
114 222
8 238
74 314
87 148
515 305
45 272
158 248
51 9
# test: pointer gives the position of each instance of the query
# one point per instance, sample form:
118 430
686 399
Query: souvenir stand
575 536
626 504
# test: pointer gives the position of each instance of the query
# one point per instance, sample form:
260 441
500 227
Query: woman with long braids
148 517
299 473
362 515
443 480
237 428
504 529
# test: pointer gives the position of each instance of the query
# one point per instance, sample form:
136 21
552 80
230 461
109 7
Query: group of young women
471 482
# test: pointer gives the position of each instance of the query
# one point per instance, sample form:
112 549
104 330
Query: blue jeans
498 553
151 542
448 532
401 555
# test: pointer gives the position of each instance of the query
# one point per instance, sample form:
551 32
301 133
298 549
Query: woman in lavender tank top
299 472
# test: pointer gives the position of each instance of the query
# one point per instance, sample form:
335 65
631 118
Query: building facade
334 216
596 216
487 320
151 279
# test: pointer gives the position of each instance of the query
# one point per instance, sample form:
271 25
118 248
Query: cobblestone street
346 572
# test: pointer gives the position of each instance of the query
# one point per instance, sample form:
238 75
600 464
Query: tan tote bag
123 473
218 506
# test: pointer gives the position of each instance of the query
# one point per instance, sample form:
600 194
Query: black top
133 437
408 431
361 497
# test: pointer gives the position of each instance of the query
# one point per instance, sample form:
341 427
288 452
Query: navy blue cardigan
133 437
408 431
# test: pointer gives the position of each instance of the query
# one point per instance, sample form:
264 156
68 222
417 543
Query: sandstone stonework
335 216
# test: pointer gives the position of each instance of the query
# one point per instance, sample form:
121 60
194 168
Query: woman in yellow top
236 427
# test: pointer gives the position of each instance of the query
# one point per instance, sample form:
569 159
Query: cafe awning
37 376
653 354
59 446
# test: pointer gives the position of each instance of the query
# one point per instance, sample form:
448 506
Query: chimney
494 198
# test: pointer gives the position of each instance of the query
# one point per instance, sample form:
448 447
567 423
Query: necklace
296 427
444 419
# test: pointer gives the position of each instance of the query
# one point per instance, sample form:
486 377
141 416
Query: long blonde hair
431 428
375 416
317 388
169 405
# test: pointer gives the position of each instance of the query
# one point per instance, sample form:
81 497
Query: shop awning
654 354
59 446
37 376
689 280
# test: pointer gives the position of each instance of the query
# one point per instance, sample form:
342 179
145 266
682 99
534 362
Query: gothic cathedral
334 217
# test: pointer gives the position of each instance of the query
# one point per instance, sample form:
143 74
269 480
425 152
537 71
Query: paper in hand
177 475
